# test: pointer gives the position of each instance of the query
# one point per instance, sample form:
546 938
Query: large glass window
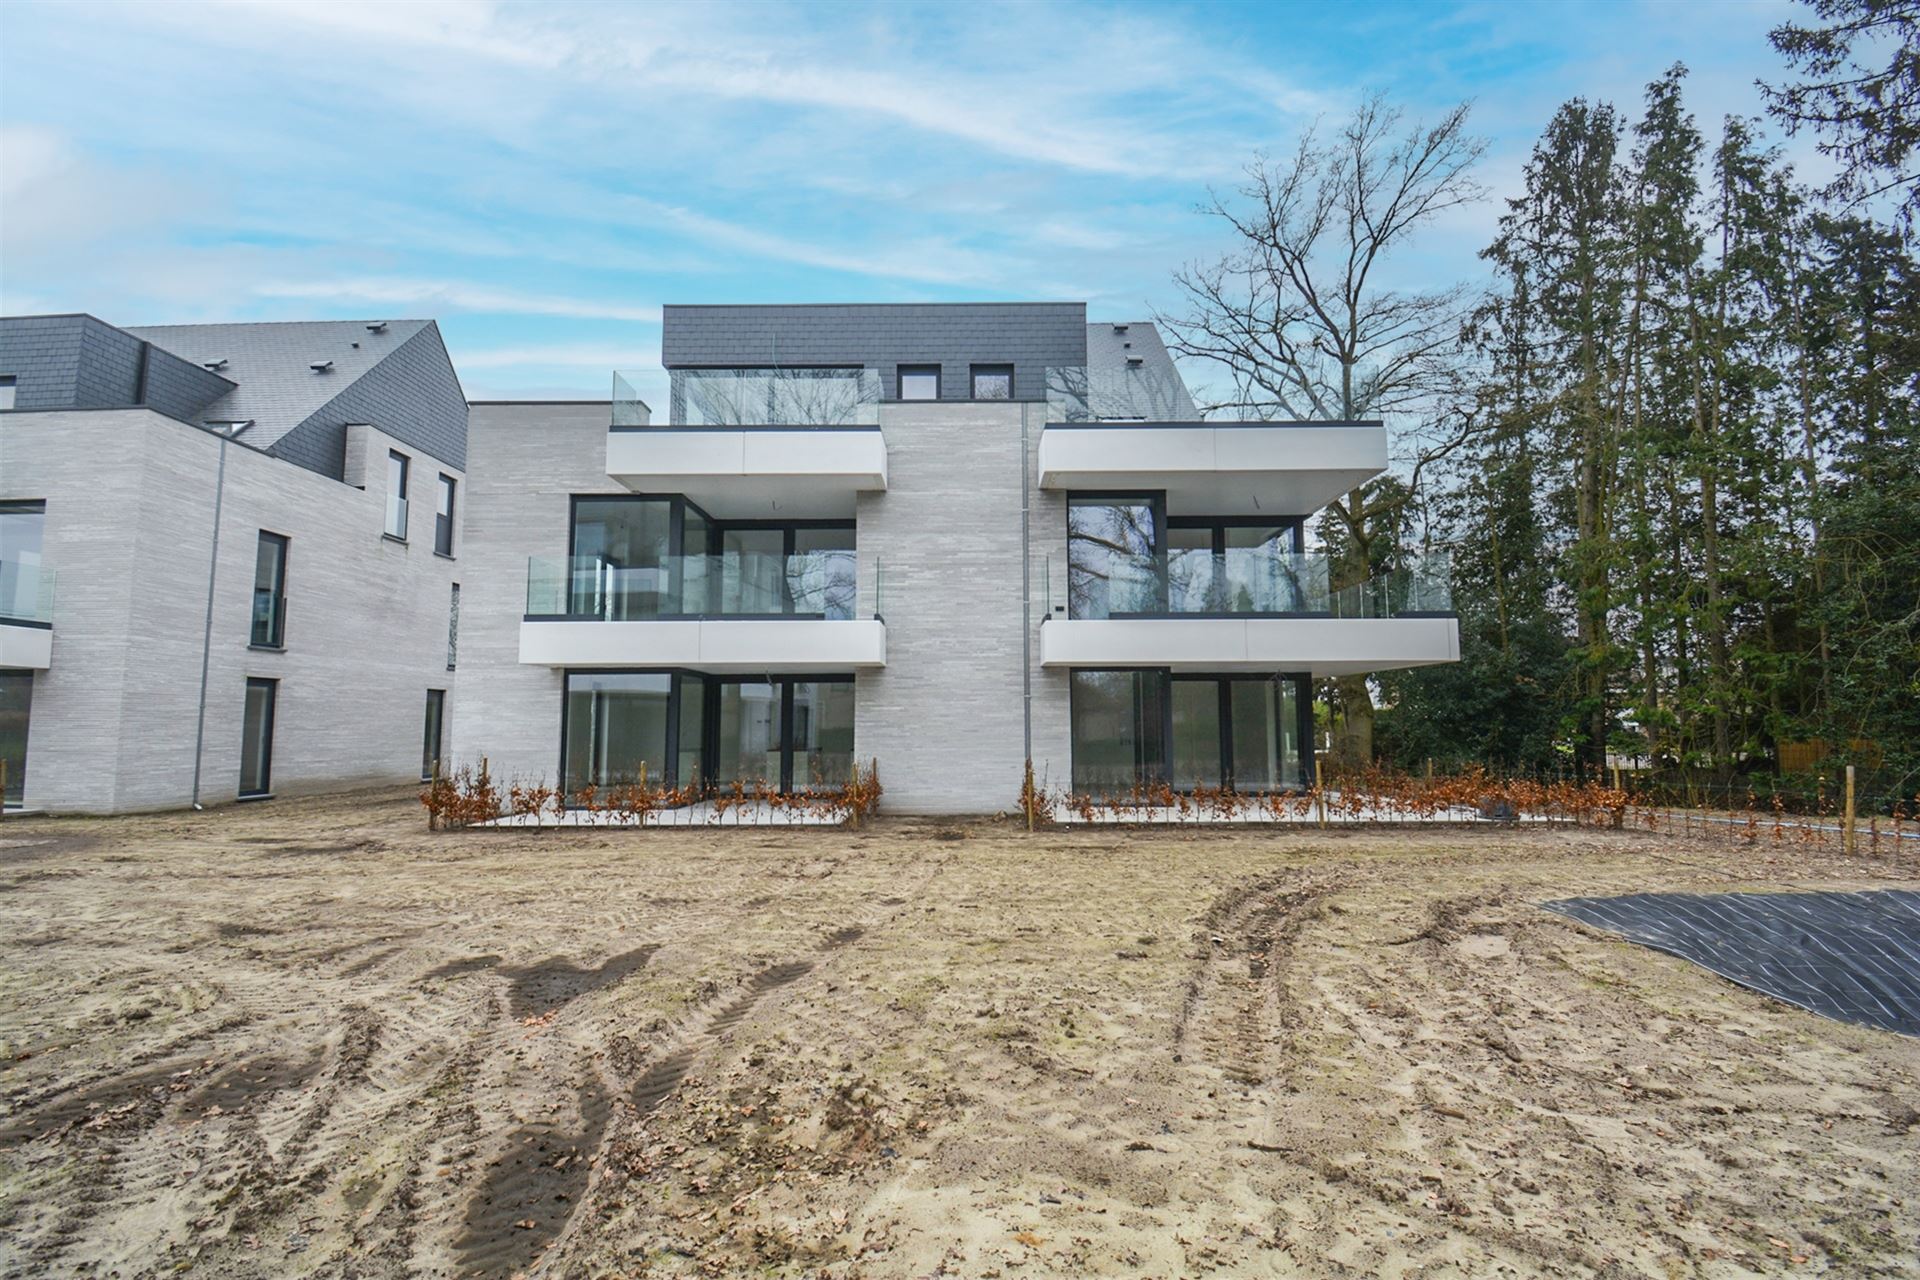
622 557
747 733
1111 548
256 738
269 592
436 724
1119 737
616 725
16 709
1139 727
397 468
22 533
453 627
822 733
443 517
1197 758
785 733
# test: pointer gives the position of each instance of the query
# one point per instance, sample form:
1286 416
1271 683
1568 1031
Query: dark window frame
276 637
405 486
272 687
17 778
716 529
901 372
34 507
10 383
710 687
433 734
453 626
992 369
446 491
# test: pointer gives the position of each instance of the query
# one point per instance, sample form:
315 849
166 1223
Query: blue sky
540 178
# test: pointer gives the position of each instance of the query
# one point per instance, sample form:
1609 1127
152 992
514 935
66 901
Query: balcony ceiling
1318 646
753 473
1240 468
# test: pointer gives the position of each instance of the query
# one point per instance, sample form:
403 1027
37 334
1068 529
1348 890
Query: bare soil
313 1039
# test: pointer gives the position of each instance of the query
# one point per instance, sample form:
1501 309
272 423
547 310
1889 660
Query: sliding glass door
784 733
1142 727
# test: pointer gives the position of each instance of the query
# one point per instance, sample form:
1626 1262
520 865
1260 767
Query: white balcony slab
25 648
741 473
724 645
1223 468
1319 646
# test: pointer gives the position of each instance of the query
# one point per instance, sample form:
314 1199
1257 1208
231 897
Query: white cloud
454 295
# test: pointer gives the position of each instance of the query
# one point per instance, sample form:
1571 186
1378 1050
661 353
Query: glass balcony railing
808 584
774 397
26 592
1252 581
1136 393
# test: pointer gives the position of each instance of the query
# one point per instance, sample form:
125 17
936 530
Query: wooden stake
1319 792
3 787
1847 826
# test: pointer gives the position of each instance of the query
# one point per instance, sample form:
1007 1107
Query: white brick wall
129 527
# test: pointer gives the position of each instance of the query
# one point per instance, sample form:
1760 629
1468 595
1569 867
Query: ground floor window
16 707
684 728
1138 727
256 738
436 724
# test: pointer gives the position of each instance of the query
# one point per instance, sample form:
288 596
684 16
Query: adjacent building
950 538
229 558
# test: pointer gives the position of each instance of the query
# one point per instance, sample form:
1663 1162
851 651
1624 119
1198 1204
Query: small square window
919 382
993 382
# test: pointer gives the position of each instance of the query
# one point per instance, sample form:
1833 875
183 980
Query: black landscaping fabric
1851 956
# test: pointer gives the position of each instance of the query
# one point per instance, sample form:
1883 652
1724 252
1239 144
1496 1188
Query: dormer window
919 382
992 382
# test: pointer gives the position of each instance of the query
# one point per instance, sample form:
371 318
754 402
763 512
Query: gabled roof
1132 376
277 389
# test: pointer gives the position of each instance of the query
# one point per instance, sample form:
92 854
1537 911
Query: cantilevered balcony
1247 610
26 616
1109 429
733 612
746 443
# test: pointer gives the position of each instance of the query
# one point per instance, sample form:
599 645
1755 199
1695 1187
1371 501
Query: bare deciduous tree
1299 319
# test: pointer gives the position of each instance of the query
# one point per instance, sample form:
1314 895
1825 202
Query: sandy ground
311 1038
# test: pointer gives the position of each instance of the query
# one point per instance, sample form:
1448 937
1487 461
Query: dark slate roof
276 389
1152 389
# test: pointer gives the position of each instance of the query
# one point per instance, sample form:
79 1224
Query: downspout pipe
1026 582
206 635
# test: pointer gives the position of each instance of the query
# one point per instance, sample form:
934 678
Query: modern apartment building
229 558
950 538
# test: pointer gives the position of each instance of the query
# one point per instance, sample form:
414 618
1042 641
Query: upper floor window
269 592
919 382
397 467
25 592
443 518
993 382
7 381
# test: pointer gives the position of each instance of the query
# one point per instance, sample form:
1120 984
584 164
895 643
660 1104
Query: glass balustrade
26 592
769 397
1245 581
808 584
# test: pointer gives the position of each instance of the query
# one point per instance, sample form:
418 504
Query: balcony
733 612
1251 609
745 443
26 616
1108 429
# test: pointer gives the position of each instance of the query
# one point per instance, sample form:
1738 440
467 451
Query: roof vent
321 366
213 366
1134 362
378 326
1119 328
